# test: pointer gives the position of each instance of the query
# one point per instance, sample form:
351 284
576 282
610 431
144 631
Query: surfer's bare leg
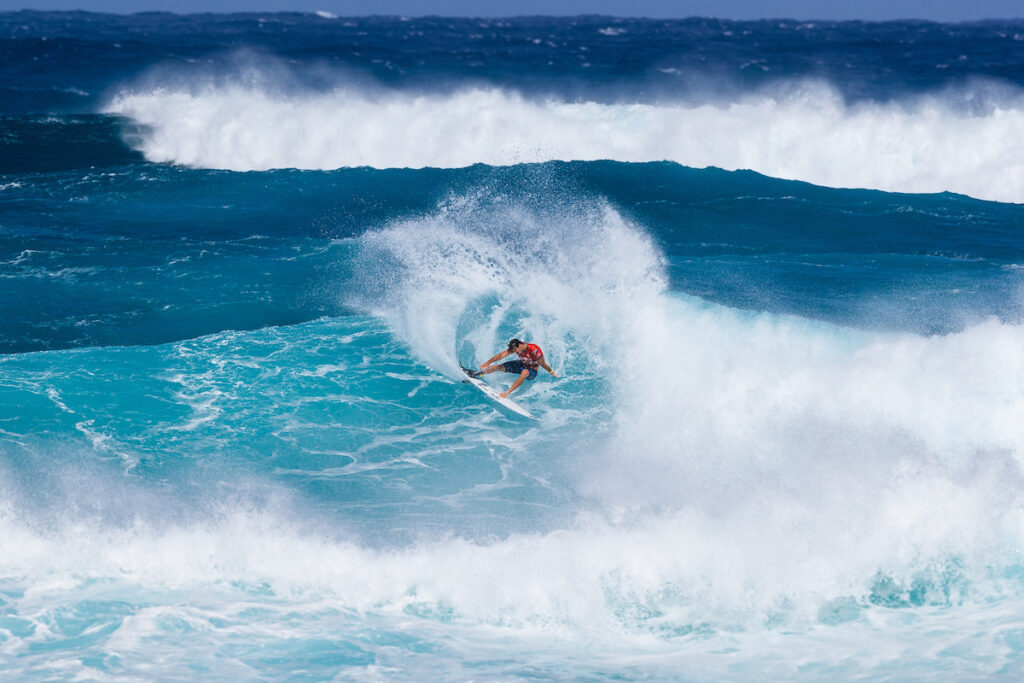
515 385
488 369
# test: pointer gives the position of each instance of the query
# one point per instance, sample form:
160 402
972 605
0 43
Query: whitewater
242 258
966 141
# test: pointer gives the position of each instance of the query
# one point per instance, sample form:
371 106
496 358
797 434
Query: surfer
530 356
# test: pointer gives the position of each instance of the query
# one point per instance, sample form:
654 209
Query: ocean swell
966 141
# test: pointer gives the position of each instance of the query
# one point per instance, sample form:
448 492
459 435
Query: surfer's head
513 345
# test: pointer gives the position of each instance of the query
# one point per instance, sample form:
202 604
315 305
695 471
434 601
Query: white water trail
754 463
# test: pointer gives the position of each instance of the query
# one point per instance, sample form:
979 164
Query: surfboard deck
489 390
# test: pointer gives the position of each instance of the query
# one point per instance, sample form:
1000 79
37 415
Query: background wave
967 142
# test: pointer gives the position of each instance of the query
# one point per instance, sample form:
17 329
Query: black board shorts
516 366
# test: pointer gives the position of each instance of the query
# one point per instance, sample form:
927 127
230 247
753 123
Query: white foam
753 460
757 469
691 383
714 399
765 561
968 141
546 265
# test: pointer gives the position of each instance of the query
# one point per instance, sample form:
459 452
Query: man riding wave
530 357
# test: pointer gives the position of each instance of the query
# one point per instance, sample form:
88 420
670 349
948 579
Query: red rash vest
531 356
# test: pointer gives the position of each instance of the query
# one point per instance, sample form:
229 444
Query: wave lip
968 142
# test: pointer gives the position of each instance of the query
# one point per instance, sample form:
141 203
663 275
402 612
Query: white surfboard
507 402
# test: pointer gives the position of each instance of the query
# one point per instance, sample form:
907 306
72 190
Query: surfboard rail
472 377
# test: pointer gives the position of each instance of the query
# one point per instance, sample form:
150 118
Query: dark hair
513 344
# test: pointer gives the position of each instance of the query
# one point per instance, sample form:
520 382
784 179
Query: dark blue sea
778 266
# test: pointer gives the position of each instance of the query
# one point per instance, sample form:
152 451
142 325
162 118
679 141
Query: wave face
786 442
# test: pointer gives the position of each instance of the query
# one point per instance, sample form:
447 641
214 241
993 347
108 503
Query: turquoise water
242 259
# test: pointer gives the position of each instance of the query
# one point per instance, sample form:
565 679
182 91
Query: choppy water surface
779 266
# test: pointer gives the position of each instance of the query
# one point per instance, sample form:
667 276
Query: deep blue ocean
779 267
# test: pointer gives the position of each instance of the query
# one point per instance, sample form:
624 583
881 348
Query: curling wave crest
764 464
968 141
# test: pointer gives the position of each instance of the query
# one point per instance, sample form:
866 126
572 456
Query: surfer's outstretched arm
486 367
544 364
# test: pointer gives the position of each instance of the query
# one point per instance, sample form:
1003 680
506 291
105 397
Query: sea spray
558 267
923 143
